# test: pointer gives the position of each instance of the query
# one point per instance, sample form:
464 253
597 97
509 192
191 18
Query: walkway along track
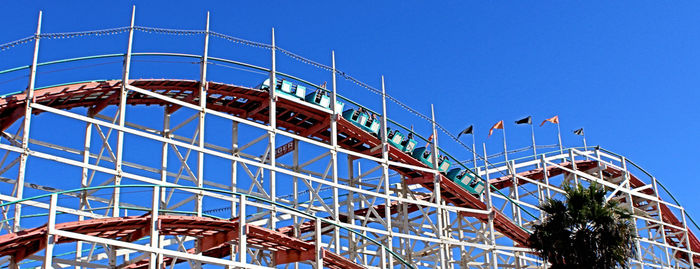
305 120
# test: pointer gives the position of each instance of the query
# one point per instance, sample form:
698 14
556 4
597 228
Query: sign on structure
284 149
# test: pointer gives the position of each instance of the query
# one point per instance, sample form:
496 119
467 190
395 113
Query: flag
579 132
527 120
323 85
554 120
498 125
469 130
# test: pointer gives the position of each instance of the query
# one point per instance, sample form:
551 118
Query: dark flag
527 120
469 130
579 132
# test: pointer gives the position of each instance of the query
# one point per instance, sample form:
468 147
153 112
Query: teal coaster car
395 138
408 144
425 156
363 120
321 98
356 117
285 87
466 180
372 126
443 164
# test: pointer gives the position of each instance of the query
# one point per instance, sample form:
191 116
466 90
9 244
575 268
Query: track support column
122 116
164 167
687 240
273 132
489 199
164 156
50 229
234 164
155 258
660 218
234 176
317 239
124 92
385 175
202 115
630 201
334 155
352 241
203 87
242 233
84 182
438 194
29 98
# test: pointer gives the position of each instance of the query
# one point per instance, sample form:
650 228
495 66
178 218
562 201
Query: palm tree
585 231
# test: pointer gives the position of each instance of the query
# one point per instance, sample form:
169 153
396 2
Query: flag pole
534 146
473 149
561 148
505 149
585 147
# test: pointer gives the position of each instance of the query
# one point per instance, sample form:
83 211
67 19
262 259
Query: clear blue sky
627 71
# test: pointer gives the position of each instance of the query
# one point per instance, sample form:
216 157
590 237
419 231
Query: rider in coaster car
408 138
356 114
319 95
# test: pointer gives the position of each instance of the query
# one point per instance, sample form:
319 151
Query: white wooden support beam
334 153
50 230
273 130
124 92
385 175
242 233
317 242
437 190
22 170
155 258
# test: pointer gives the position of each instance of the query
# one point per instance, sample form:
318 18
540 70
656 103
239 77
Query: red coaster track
215 236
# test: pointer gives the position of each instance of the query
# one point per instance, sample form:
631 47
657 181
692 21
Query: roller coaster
105 178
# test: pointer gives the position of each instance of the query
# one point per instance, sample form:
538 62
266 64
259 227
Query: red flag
498 125
554 120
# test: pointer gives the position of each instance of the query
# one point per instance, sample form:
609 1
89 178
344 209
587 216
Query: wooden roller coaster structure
414 218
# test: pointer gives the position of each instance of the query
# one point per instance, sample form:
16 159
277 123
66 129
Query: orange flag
554 120
498 125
